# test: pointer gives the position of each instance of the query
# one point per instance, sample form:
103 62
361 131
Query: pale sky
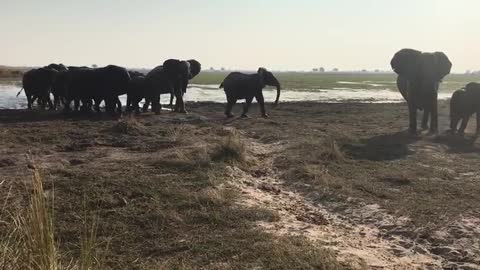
238 34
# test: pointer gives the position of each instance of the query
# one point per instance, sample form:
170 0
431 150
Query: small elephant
463 104
248 86
419 77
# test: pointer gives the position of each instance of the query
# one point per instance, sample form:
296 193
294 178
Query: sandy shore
346 177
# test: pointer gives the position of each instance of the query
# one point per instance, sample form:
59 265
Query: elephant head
267 78
422 68
195 68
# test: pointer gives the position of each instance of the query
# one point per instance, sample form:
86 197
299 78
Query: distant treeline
12 72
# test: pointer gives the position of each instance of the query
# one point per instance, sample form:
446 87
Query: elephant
247 86
419 77
463 104
98 84
37 84
59 88
172 77
136 91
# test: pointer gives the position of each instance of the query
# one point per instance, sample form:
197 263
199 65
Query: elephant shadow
383 147
459 144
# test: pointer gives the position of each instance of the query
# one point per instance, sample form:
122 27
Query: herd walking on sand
419 77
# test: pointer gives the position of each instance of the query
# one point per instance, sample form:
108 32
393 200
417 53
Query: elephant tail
221 85
19 92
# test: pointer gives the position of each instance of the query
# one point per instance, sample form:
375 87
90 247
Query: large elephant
172 77
98 84
463 104
248 86
37 83
419 77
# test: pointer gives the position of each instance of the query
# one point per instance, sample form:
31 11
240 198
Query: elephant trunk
278 95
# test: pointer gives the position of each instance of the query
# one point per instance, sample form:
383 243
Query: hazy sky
238 34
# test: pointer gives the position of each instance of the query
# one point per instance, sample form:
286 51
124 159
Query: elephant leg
76 104
110 105
477 132
171 99
129 105
434 117
246 106
261 102
180 88
146 105
118 104
56 101
66 105
49 101
97 105
179 104
412 112
156 106
29 101
135 106
454 123
426 116
464 124
230 103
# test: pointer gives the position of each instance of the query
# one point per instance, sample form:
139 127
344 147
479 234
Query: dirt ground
315 186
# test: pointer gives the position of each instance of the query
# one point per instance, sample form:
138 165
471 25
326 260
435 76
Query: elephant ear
405 63
443 65
195 67
261 75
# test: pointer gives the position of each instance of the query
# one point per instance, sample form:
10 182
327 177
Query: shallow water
202 93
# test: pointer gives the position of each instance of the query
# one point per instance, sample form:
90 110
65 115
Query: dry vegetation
164 196
157 187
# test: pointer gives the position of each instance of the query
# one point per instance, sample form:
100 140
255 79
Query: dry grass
164 199
230 149
31 245
129 126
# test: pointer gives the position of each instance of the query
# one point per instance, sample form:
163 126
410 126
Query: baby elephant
248 86
463 104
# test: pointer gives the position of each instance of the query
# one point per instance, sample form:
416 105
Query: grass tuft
30 243
129 126
230 149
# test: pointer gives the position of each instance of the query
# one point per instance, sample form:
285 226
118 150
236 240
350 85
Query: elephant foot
182 111
265 115
244 116
230 115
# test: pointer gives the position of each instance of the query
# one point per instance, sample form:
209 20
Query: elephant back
157 81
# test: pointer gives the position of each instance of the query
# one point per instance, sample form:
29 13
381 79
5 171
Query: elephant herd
88 87
419 77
